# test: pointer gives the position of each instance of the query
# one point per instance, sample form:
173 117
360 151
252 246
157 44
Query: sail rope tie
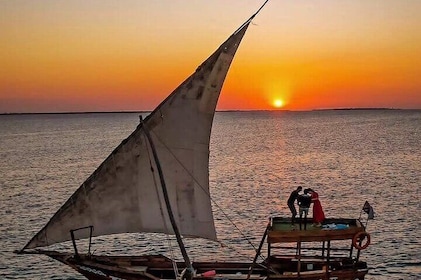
208 194
174 263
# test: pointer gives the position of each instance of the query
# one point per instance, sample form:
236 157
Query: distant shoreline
223 111
78 113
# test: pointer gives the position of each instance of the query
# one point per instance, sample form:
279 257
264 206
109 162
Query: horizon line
226 111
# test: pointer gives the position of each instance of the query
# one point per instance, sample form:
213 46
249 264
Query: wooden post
299 258
328 257
258 252
72 235
91 229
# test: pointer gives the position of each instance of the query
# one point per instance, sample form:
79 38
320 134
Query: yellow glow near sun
278 103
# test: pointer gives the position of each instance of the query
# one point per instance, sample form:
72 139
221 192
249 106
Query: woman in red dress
318 214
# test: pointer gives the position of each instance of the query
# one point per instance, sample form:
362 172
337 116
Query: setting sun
311 59
278 103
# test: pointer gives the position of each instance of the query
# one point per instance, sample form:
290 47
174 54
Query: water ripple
348 156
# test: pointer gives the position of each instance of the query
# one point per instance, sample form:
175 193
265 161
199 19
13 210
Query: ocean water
256 160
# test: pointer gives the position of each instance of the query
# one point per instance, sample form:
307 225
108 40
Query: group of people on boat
304 201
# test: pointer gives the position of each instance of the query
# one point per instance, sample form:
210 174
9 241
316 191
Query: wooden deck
281 230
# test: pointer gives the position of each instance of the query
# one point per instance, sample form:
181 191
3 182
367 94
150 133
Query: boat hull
310 263
155 267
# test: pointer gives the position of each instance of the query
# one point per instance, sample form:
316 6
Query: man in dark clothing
291 203
304 202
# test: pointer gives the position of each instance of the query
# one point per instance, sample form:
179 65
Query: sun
278 103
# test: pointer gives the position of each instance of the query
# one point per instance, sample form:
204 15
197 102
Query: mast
190 269
167 201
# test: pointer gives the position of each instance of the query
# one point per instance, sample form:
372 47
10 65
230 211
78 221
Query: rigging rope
208 194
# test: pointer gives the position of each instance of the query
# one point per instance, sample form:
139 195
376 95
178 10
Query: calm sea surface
257 159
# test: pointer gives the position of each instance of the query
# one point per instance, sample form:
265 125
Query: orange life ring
358 237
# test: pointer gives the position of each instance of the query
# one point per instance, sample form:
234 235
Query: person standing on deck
318 214
291 203
304 202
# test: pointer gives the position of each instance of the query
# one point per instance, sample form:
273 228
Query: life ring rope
358 237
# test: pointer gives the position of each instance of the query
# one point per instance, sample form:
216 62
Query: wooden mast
167 202
189 266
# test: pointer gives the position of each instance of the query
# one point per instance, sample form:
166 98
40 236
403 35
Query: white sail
124 194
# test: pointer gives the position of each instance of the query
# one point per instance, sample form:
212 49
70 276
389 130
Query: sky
128 55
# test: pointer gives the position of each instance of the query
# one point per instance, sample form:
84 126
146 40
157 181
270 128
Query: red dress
318 214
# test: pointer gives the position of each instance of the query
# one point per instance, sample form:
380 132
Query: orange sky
102 55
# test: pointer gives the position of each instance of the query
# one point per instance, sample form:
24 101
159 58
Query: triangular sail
124 195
